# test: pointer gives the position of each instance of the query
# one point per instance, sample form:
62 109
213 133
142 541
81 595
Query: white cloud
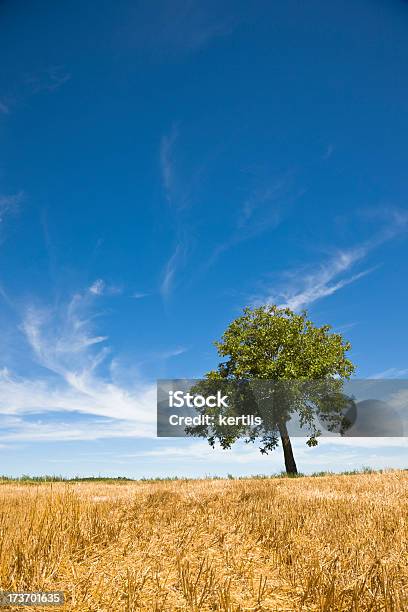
170 269
317 289
197 458
78 393
390 373
138 295
179 180
60 339
177 194
305 287
315 285
70 355
97 287
100 287
171 352
200 450
42 430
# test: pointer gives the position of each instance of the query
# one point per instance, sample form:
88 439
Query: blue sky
163 165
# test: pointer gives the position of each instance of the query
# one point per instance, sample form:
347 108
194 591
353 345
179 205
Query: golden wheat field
327 543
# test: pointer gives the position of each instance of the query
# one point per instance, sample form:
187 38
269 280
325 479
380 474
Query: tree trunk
290 463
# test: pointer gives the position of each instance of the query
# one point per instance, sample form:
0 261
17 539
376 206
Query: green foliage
278 363
275 343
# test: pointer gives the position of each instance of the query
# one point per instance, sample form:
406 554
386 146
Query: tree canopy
304 364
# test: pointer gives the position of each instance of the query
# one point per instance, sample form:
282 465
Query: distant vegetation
56 478
26 478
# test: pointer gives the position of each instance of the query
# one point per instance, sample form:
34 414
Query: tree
297 367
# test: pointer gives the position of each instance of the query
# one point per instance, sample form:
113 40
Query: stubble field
327 543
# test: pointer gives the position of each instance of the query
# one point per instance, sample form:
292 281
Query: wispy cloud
178 195
390 373
335 454
191 26
10 203
328 152
138 295
320 283
4 108
262 210
100 287
178 183
169 273
38 428
168 354
179 27
70 355
49 79
61 338
303 287
97 287
167 161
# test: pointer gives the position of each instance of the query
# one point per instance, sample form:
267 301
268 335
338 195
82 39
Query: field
327 543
